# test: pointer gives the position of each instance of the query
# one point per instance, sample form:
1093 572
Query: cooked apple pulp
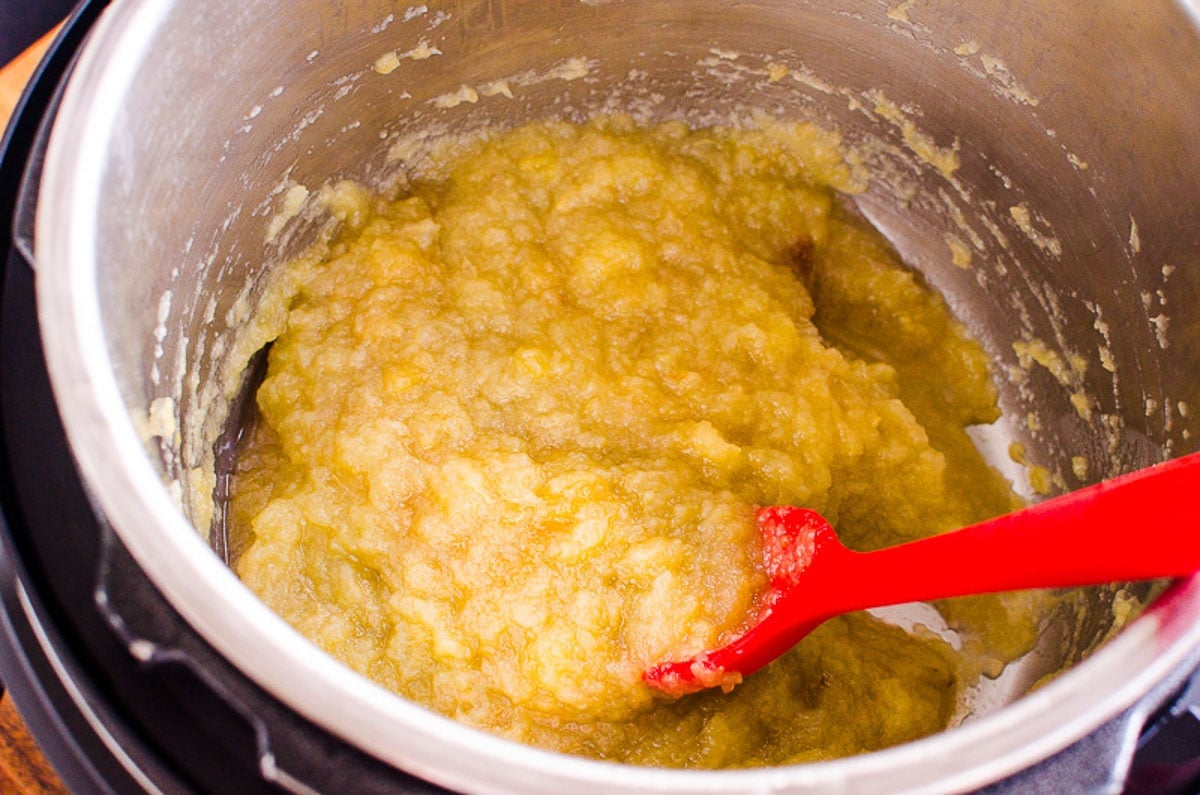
516 423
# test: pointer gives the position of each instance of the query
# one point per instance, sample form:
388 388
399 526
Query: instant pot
1037 161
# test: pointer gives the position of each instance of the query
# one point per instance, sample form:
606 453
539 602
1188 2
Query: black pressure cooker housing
123 696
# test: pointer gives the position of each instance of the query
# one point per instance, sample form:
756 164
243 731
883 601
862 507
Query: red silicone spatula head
794 541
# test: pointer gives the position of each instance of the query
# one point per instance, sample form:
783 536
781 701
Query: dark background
22 22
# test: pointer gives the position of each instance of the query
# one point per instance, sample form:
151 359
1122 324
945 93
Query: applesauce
516 423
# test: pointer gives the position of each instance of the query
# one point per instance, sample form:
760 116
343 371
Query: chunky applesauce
516 423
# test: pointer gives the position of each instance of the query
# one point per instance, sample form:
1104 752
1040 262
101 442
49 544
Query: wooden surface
23 769
14 76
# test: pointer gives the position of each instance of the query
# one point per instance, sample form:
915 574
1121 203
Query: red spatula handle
1135 527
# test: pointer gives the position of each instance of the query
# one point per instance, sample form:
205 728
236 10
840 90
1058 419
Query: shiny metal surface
1054 141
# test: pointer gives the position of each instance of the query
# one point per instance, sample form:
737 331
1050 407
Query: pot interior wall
1036 161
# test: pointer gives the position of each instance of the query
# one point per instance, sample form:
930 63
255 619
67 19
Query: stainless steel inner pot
1037 162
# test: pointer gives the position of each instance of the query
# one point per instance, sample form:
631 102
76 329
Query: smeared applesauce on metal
516 423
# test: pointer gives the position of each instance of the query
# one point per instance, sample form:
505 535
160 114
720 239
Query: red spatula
1138 526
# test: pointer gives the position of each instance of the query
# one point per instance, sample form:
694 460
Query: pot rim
202 589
